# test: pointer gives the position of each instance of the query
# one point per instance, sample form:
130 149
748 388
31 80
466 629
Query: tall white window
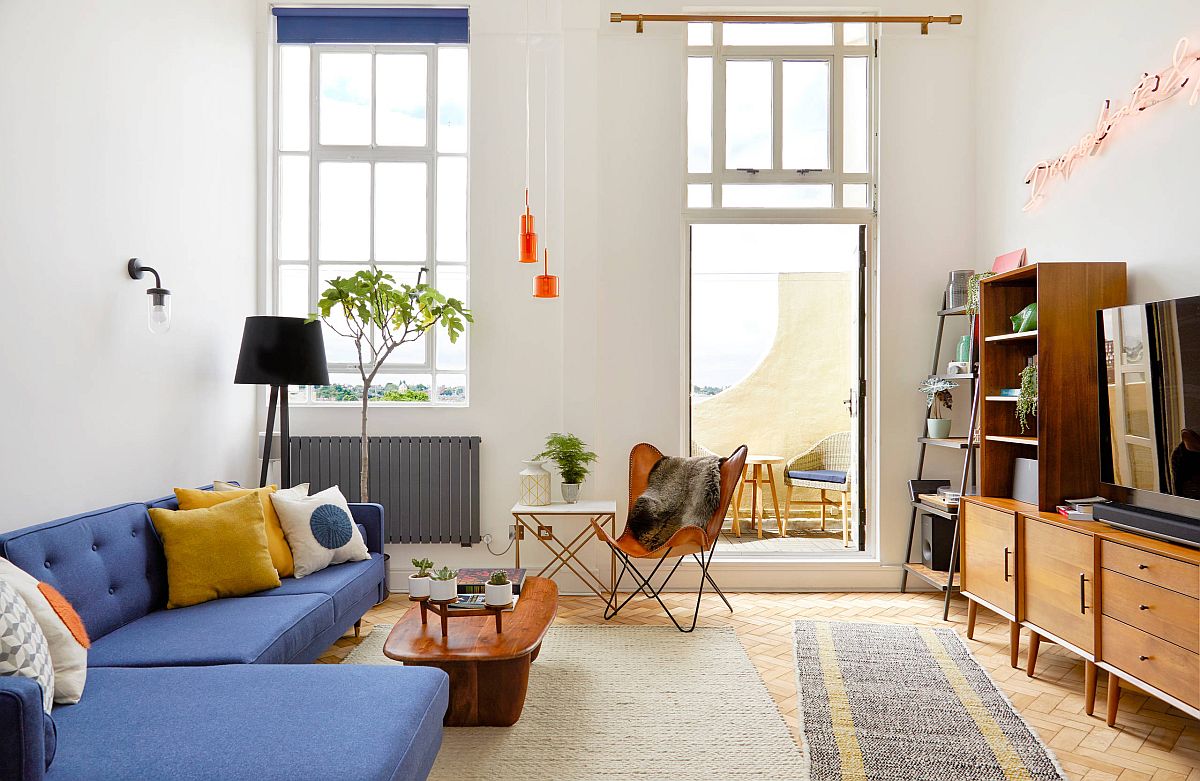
371 168
780 116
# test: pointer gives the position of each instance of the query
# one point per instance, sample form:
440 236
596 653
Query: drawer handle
1083 605
1143 658
1143 566
1143 607
1007 553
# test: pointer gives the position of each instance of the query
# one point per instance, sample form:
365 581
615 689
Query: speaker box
937 540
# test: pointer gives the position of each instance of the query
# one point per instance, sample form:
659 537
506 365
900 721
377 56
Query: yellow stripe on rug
1010 763
839 708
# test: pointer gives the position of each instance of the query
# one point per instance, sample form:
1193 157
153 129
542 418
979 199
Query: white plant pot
535 484
937 428
570 492
418 586
497 596
443 590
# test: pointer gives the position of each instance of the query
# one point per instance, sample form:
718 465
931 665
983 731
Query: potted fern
938 397
571 455
498 592
1027 400
418 582
444 586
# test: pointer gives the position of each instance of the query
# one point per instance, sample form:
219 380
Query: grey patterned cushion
23 648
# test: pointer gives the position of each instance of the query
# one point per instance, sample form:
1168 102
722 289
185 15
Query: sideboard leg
1035 643
1114 699
1089 687
1014 644
972 613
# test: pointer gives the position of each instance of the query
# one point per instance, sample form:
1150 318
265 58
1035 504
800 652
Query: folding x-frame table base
539 523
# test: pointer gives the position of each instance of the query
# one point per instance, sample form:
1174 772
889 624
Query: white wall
606 361
127 131
1044 71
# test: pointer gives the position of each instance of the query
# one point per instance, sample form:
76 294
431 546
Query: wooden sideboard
1125 603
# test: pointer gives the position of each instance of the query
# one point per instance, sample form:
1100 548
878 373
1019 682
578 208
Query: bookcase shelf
1064 442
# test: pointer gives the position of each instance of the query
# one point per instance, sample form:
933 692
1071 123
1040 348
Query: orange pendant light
528 240
545 285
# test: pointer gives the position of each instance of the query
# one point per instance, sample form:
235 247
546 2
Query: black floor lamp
280 351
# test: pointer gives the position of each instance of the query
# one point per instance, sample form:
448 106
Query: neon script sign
1149 92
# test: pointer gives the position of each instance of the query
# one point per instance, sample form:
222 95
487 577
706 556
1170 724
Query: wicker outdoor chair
824 467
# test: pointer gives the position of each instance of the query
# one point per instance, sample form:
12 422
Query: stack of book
472 580
1080 509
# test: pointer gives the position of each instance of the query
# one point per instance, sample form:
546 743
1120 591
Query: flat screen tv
1149 373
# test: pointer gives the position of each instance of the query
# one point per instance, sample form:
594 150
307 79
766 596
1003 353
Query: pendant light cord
526 103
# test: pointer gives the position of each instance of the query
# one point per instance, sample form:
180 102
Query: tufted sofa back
108 563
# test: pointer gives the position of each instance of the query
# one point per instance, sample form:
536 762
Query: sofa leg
357 627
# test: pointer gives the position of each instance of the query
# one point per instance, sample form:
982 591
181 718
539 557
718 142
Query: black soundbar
1152 523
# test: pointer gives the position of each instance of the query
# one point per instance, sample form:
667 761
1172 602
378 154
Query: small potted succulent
418 582
937 396
571 455
497 592
444 585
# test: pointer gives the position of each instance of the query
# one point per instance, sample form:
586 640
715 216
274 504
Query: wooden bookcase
1063 436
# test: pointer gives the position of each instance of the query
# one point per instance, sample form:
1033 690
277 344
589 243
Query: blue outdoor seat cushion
265 722
348 584
820 475
246 630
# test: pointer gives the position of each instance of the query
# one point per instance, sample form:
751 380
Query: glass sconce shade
528 242
545 285
158 313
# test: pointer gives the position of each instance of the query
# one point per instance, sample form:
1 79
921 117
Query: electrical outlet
487 539
512 532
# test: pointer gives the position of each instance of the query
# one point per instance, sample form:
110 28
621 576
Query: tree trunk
363 463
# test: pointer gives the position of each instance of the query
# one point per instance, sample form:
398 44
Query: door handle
1083 605
1007 552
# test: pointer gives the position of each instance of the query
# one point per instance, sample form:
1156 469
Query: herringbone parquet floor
1152 742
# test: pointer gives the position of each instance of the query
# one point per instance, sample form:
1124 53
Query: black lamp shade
282 351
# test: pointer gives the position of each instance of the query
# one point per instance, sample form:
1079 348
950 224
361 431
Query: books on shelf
471 580
1080 509
943 502
475 602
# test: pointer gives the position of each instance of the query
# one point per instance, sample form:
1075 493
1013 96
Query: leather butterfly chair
691 541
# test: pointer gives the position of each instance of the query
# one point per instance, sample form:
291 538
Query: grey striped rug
885 702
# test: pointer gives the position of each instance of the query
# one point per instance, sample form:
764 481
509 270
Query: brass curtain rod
924 21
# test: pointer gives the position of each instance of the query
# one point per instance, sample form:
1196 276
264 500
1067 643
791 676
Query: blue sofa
221 690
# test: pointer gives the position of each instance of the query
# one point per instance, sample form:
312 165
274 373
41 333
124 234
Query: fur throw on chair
679 492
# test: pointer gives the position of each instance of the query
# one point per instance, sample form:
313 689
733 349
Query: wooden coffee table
489 671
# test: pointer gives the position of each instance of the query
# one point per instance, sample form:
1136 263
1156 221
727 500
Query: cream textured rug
882 702
614 702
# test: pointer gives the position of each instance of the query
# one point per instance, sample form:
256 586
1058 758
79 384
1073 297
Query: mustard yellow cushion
215 552
281 554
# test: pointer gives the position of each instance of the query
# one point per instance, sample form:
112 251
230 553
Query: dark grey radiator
428 486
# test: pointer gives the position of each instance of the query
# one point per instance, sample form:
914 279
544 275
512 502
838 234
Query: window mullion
718 118
837 104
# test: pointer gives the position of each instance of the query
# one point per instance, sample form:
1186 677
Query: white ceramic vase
418 586
937 428
535 484
497 596
443 590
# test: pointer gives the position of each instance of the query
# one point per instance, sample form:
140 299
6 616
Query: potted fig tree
418 582
498 592
938 397
444 585
571 455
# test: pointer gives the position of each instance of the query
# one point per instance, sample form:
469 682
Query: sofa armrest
22 729
370 515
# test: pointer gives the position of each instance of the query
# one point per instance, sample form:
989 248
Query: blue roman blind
372 25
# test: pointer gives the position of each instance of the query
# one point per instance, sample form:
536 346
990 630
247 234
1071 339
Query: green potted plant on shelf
378 316
444 586
498 591
1027 400
937 397
571 455
418 582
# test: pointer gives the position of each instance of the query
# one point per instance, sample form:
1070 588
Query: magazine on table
476 601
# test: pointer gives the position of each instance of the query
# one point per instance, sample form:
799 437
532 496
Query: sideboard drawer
1159 611
1151 659
1151 568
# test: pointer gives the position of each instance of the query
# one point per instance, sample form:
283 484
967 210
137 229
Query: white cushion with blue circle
319 530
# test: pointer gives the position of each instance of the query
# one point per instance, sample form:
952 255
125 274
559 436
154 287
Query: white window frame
867 408
835 55
372 153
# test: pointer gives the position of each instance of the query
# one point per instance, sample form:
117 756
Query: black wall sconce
158 310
